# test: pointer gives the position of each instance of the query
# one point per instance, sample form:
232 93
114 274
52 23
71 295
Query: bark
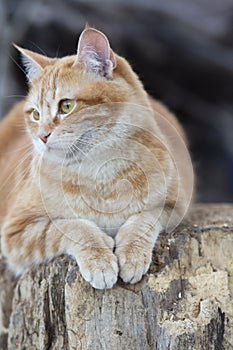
184 302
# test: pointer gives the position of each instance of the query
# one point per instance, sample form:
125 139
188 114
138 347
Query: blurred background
182 51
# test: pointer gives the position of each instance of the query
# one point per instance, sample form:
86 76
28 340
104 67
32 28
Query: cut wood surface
184 302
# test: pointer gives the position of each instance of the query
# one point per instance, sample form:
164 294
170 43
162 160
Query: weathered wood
185 302
7 285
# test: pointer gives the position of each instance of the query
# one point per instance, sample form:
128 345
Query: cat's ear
33 62
94 53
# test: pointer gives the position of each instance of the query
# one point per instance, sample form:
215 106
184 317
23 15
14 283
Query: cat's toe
133 265
105 279
102 273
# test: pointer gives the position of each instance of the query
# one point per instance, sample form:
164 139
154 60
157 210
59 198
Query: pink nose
44 137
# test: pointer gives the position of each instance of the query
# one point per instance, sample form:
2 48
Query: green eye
36 115
66 106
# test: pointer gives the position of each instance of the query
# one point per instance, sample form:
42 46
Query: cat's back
15 155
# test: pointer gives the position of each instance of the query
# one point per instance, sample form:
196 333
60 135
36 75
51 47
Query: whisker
17 149
73 147
18 65
15 96
39 48
57 52
18 183
27 155
37 167
78 149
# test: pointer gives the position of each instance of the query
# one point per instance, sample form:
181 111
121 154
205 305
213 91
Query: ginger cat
99 171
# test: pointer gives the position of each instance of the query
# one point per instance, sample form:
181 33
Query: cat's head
72 96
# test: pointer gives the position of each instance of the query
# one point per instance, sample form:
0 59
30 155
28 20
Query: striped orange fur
99 171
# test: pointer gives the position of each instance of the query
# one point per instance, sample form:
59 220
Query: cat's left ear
94 53
33 62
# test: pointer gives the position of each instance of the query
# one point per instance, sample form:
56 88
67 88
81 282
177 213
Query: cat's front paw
134 261
100 270
97 263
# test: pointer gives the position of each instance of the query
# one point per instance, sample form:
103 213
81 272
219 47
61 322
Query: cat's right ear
33 62
94 53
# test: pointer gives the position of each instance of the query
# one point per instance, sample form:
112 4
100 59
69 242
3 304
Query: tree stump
184 302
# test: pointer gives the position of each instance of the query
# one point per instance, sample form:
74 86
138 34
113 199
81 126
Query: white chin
39 146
